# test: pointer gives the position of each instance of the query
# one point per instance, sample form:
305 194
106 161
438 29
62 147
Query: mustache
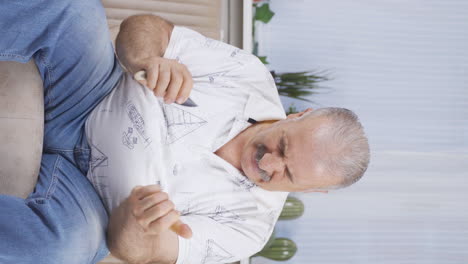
261 150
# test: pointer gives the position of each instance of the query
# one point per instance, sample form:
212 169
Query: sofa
21 91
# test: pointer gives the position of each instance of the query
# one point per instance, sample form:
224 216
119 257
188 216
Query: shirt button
176 169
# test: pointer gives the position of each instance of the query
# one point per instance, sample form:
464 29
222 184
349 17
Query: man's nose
271 163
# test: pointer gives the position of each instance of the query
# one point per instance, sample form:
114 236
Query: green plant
293 208
298 85
262 13
292 109
281 249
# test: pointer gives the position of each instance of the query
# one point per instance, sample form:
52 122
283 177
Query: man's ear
297 115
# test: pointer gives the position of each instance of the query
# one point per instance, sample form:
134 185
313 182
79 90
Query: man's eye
281 147
288 174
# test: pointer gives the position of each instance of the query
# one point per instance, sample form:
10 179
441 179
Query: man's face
278 158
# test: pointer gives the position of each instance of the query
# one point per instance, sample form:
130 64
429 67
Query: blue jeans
63 220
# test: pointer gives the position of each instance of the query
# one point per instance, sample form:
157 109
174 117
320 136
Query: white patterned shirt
136 139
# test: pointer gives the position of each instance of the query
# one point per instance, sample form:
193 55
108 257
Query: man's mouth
261 149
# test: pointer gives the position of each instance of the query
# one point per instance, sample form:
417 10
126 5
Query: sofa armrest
21 127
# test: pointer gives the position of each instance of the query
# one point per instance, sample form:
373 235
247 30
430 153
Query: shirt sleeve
206 58
213 62
228 231
216 240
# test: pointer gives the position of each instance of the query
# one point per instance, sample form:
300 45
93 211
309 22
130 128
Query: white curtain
402 66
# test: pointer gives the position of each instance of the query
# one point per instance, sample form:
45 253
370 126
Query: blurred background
402 66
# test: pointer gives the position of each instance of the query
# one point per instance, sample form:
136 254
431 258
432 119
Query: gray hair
341 147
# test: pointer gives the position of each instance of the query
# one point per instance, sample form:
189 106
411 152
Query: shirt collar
257 108
261 109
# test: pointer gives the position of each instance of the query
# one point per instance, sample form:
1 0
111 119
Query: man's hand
166 78
155 213
141 229
141 44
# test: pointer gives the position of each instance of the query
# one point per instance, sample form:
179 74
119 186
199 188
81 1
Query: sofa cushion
21 127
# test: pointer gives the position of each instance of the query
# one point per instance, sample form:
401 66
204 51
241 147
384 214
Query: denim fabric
63 220
69 41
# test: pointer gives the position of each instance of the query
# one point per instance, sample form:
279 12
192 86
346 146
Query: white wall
402 66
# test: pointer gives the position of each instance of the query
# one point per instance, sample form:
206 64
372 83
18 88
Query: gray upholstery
21 127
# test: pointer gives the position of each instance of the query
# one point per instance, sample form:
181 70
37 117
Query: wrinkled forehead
307 153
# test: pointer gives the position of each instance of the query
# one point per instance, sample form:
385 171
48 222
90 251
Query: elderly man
223 163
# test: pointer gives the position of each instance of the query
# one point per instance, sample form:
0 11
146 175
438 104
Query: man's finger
187 76
155 213
174 87
164 223
164 78
182 229
151 200
187 86
152 76
185 90
140 192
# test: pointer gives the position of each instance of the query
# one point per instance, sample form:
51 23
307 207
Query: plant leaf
263 59
263 13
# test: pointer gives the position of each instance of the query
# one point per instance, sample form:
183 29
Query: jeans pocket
48 178
82 159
